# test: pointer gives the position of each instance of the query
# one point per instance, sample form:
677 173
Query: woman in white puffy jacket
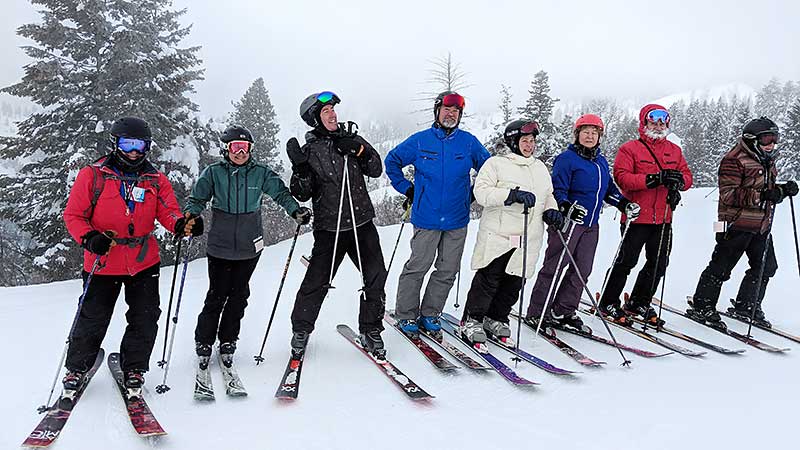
505 186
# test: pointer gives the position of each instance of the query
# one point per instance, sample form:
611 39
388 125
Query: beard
656 134
449 122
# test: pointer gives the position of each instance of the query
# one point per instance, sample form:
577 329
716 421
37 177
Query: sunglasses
128 145
530 128
238 147
768 138
325 97
658 114
453 100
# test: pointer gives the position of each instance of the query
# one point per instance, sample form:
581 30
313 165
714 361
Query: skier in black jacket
343 214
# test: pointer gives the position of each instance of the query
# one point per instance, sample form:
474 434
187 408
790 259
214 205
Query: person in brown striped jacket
748 195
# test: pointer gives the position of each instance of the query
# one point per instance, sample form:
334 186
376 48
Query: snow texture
346 403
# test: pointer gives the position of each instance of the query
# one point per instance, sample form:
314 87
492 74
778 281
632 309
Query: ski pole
458 285
355 232
162 388
524 278
794 227
551 291
760 278
338 225
654 283
169 307
95 266
259 358
403 221
613 261
626 362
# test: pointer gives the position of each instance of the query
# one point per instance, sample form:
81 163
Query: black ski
773 330
691 339
411 389
142 419
550 336
53 422
749 340
290 383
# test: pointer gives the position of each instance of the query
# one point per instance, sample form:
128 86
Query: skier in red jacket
651 172
111 212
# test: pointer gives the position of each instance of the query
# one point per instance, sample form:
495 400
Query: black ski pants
493 291
639 236
731 245
141 295
226 300
315 286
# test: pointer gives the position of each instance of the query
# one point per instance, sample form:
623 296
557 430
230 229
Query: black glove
191 224
629 208
789 189
573 211
774 195
349 146
673 198
652 180
409 197
554 218
516 196
96 242
672 179
302 216
297 155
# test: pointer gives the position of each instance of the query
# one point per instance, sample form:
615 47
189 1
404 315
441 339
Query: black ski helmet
132 128
437 105
757 128
516 129
236 133
312 105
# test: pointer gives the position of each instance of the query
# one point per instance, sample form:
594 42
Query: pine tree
95 61
539 107
495 144
254 111
769 101
790 144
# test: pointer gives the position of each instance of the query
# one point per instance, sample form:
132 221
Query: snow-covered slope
346 403
724 92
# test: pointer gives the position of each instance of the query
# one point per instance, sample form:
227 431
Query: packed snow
345 402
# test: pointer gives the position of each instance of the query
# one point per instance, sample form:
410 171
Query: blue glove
524 197
554 218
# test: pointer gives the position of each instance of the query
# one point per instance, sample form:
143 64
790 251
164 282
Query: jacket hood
519 159
643 121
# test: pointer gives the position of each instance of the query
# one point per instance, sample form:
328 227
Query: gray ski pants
429 247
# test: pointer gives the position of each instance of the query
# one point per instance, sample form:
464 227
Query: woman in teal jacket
235 187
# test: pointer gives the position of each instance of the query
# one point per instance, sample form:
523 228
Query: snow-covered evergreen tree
790 144
539 107
769 101
495 144
254 111
94 61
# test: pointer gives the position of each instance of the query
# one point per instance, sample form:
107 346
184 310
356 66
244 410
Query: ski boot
72 382
299 342
133 381
472 331
226 350
373 344
203 354
431 325
614 313
645 312
569 322
742 311
203 387
705 312
409 327
547 322
499 330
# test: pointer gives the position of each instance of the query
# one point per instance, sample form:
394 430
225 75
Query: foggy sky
376 55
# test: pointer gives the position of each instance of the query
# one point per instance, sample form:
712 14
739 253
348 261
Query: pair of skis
289 387
51 425
204 389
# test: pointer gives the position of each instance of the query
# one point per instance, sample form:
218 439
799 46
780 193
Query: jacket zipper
597 193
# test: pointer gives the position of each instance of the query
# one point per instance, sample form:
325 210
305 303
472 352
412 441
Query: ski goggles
768 139
658 114
327 96
128 145
453 100
530 128
239 147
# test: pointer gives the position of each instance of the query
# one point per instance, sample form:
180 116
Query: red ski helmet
589 119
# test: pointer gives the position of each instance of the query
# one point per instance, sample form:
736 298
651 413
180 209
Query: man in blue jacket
441 193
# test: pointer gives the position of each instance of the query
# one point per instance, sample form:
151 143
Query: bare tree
445 75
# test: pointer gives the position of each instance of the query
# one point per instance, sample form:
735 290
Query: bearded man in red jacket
650 171
111 212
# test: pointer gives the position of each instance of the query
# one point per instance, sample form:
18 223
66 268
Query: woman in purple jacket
581 183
